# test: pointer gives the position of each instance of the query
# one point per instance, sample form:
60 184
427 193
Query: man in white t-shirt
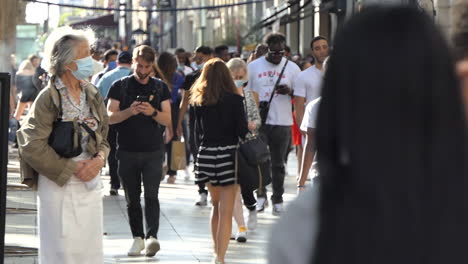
276 132
308 84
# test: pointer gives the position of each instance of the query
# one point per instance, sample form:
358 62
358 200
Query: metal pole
4 117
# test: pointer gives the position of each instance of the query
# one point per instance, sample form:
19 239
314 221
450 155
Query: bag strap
89 130
277 82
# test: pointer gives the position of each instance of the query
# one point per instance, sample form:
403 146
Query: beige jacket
36 156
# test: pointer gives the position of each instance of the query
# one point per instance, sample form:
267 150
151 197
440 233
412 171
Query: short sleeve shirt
310 115
139 133
308 84
262 79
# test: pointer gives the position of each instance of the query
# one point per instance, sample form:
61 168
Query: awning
102 21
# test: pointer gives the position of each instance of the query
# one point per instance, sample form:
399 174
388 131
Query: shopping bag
178 160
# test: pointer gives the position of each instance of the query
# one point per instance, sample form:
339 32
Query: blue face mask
84 68
239 83
111 65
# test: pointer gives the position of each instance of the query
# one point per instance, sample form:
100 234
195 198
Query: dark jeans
277 138
112 160
13 127
133 167
249 199
174 112
194 149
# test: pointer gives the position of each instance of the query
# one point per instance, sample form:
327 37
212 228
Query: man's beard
142 76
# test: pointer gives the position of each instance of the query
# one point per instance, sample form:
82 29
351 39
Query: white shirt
262 79
308 84
310 115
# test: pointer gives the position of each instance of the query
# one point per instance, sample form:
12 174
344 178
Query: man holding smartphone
272 77
139 106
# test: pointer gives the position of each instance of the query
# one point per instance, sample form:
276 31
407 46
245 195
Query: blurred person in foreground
460 42
220 123
70 212
392 151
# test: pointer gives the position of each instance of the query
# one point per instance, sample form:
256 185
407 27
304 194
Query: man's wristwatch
154 114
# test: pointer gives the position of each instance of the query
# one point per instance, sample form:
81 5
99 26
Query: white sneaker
241 237
252 220
203 200
187 174
277 209
262 203
137 246
152 246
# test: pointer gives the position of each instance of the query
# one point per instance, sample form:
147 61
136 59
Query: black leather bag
255 151
252 177
65 138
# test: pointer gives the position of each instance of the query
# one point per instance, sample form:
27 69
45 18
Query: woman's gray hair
61 48
236 64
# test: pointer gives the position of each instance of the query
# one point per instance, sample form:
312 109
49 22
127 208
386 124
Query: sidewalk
184 231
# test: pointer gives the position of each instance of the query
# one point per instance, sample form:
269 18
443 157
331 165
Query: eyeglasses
276 53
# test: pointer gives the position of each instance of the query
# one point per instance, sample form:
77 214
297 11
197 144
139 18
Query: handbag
254 150
252 177
66 136
264 107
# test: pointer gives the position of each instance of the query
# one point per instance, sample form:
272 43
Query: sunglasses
276 53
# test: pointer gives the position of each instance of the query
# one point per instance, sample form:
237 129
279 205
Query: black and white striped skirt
216 165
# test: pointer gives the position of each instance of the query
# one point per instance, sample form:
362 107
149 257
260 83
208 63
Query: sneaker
187 174
171 179
113 192
262 203
152 246
277 209
137 246
203 200
252 220
241 235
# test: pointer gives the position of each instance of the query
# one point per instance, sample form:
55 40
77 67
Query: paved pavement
184 228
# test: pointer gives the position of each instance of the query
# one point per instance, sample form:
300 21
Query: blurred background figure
392 151
167 63
183 61
25 84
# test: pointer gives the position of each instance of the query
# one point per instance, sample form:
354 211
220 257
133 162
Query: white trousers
70 223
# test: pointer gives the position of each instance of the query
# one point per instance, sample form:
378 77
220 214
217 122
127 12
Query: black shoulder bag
264 107
65 137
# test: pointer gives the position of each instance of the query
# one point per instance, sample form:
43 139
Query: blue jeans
277 138
133 168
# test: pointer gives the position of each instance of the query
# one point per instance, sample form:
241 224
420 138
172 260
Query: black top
139 133
190 79
221 124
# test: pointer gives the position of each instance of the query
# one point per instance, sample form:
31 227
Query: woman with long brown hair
167 63
219 123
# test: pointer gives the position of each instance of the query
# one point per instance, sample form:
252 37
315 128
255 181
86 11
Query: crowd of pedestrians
388 128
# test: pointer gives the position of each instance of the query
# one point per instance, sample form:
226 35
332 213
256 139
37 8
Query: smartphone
142 98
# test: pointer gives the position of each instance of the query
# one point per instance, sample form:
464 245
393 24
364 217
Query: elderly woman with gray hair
70 209
239 74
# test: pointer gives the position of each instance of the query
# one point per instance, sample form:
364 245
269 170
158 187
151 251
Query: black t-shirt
139 133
